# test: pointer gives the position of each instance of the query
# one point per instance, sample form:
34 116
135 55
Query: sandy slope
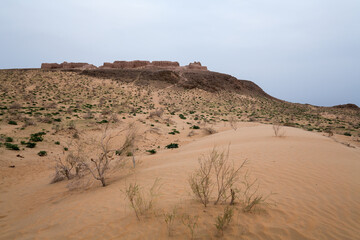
316 181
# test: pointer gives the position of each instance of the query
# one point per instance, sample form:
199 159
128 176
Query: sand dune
315 181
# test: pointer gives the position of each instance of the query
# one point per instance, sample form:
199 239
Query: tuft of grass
222 221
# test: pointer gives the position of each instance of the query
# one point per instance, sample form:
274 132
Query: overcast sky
304 51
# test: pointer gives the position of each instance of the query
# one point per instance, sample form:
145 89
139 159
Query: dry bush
233 122
28 122
226 174
140 202
278 130
209 130
157 113
128 145
69 165
222 221
200 181
190 222
250 196
15 105
99 166
88 115
215 166
169 219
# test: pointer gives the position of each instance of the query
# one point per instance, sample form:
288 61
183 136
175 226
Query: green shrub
12 146
11 122
172 145
195 127
37 137
42 153
103 121
57 143
30 145
151 151
182 116
9 139
347 134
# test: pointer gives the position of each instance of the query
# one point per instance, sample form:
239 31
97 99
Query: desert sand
314 181
308 176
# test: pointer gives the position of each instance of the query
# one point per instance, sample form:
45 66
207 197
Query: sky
300 51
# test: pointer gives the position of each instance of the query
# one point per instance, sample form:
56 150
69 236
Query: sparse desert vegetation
70 140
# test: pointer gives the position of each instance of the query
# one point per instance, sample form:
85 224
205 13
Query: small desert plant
66 165
12 146
99 166
151 151
139 201
251 197
11 122
200 181
42 153
278 131
225 172
233 122
9 139
195 127
347 134
191 222
182 116
156 113
172 145
209 130
222 221
37 137
30 145
169 219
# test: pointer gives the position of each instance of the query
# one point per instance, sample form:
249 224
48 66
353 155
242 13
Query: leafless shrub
225 172
57 128
140 202
157 113
106 112
250 196
45 120
114 118
88 115
209 130
278 131
69 166
51 105
191 222
15 105
128 145
222 221
169 219
200 181
29 122
71 125
233 122
99 166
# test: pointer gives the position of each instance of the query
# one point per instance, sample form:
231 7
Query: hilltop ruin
137 64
